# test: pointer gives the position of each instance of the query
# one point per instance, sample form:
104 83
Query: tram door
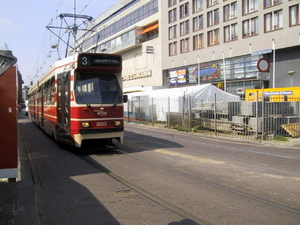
42 104
63 106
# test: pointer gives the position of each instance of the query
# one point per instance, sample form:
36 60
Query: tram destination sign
99 60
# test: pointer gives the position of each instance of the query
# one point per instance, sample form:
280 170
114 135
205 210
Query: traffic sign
263 76
263 65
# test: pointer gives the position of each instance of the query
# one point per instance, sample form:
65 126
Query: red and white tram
80 99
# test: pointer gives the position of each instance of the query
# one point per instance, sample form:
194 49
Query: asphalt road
161 176
210 180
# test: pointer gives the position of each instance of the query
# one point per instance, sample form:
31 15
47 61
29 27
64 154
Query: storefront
230 73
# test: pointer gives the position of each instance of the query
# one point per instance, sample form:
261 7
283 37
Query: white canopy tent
175 100
203 93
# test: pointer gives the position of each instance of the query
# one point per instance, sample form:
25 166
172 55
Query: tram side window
45 93
48 92
39 96
52 91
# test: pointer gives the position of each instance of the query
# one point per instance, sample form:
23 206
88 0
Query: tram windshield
95 88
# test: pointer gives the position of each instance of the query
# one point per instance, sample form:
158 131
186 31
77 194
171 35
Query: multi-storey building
189 42
130 28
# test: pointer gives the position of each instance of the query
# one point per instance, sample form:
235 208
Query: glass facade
130 19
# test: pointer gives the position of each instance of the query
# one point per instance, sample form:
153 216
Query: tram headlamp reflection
118 123
85 124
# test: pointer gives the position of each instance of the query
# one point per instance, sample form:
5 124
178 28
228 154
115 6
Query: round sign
239 91
263 65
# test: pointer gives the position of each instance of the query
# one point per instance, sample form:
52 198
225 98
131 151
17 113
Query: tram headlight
85 124
117 123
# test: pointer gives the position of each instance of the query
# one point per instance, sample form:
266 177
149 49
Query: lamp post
291 73
274 71
198 64
224 72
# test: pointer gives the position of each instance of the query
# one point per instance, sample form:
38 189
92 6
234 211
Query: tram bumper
118 135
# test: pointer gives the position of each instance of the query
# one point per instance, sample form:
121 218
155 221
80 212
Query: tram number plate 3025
101 124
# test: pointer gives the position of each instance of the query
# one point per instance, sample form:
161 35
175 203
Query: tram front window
97 88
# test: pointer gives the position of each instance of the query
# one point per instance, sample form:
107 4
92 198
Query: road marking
200 159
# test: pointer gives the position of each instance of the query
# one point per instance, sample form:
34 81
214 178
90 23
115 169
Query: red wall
8 119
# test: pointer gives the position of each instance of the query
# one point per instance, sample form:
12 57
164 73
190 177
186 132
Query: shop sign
178 76
269 93
262 52
149 49
139 75
207 72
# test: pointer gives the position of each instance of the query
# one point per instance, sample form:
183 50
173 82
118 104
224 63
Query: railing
256 120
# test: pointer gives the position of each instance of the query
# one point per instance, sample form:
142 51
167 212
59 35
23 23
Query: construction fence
255 120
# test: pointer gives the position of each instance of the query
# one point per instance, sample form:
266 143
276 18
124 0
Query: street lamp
198 64
291 73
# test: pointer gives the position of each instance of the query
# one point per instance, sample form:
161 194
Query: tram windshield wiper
82 100
116 98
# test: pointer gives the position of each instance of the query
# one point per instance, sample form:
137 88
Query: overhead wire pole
74 27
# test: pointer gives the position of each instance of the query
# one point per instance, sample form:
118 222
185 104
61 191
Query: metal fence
259 120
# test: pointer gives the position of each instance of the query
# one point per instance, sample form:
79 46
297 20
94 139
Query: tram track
179 211
232 190
173 207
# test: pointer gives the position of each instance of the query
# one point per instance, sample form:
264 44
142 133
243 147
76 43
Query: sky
23 29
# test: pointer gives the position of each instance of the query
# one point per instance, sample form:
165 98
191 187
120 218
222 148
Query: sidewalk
8 201
17 204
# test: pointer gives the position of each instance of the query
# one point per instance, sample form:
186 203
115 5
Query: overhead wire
45 44
37 69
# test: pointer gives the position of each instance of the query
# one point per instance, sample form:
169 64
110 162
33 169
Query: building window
273 21
172 32
172 2
173 48
198 41
197 5
230 11
117 25
249 6
212 3
172 15
198 23
250 27
294 15
230 32
213 18
269 3
184 10
184 28
213 37
184 45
